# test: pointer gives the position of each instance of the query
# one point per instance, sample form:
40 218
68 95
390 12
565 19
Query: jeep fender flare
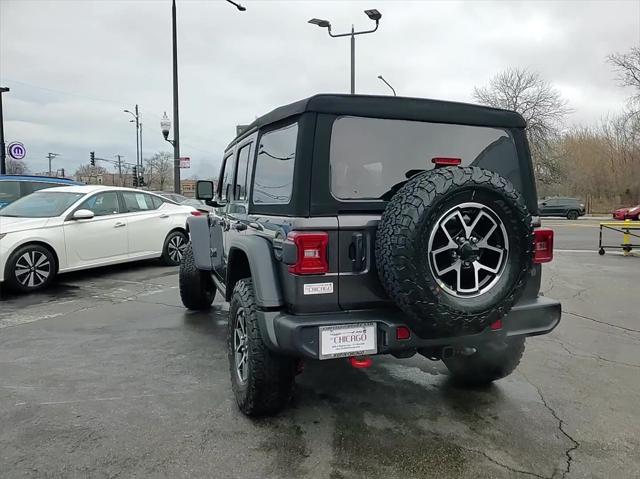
259 254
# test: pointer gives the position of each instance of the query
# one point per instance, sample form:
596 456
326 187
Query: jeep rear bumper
298 335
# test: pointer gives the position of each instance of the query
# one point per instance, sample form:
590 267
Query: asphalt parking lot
107 375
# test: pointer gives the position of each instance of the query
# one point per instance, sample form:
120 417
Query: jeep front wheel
262 381
491 361
197 290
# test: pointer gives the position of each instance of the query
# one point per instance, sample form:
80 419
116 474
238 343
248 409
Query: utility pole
120 169
141 153
3 148
50 156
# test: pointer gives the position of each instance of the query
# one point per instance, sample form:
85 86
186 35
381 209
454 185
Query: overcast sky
73 66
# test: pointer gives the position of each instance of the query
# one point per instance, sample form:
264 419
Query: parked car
352 225
175 197
571 208
77 227
183 200
631 213
13 187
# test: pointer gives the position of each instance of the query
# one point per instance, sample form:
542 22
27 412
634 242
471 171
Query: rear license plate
348 340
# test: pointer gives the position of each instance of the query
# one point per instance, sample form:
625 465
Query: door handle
119 225
164 215
357 252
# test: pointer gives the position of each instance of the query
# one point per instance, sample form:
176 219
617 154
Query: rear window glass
371 158
9 191
274 166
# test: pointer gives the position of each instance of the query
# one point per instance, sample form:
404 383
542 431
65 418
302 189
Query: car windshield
41 204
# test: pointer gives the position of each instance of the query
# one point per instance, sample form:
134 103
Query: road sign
185 162
16 150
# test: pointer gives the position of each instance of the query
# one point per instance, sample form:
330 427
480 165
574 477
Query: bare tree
541 105
16 167
159 169
88 173
627 65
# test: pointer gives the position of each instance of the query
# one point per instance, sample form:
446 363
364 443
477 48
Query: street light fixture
388 84
374 15
165 127
176 116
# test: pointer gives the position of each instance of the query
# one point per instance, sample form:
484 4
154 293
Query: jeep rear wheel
262 381
492 361
197 290
453 249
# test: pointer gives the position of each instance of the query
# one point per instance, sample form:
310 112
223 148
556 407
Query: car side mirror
205 190
83 215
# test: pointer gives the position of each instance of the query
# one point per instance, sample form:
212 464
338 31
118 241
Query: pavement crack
505 466
631 330
595 357
561 427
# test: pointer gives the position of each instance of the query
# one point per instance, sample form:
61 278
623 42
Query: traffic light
92 156
135 176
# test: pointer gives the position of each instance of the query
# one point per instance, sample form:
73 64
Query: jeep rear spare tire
453 249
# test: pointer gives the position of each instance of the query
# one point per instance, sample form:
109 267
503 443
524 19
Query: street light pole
374 15
176 117
3 148
388 84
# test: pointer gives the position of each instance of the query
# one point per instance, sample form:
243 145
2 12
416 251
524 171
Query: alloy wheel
468 250
241 346
176 247
32 269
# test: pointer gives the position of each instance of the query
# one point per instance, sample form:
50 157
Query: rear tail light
543 245
402 333
446 161
196 213
496 325
311 252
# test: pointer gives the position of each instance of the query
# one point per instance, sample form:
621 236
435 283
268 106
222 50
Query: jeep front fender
259 254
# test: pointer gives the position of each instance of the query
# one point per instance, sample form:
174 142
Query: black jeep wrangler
351 225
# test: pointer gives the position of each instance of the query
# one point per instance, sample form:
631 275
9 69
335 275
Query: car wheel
30 268
491 361
572 215
197 290
262 381
174 246
454 248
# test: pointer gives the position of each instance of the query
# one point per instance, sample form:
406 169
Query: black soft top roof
418 109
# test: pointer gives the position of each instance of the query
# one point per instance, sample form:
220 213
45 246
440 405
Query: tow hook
360 362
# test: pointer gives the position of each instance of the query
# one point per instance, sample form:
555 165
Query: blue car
13 187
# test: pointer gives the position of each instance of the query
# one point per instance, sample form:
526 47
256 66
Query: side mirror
83 215
205 190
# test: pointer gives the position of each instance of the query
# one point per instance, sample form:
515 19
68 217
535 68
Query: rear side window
9 191
371 158
244 156
137 201
32 186
273 179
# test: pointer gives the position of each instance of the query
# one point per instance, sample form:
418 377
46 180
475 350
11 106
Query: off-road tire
14 284
402 250
169 257
572 215
491 362
197 290
270 379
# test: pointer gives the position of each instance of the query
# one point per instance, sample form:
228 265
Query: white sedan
78 227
